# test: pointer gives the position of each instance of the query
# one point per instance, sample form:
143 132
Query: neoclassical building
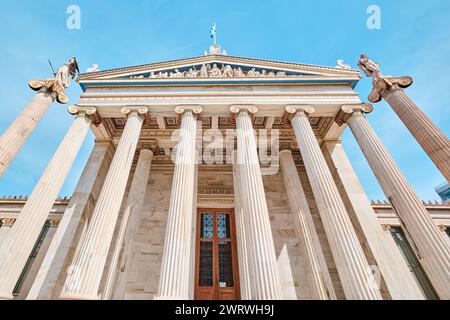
221 177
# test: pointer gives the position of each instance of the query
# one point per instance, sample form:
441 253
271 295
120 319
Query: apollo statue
370 68
381 83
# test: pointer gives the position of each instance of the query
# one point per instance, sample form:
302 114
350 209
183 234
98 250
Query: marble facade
305 228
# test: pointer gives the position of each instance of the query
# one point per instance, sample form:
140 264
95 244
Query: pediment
219 68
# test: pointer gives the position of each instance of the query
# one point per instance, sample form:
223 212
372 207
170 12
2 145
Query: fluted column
262 261
84 275
353 268
50 279
244 275
382 246
121 260
429 245
13 139
321 284
15 250
176 260
427 134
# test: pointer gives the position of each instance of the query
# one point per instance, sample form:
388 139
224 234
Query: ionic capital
383 86
349 110
51 87
299 108
151 146
195 109
296 109
7 222
237 108
88 112
82 111
140 110
386 227
54 223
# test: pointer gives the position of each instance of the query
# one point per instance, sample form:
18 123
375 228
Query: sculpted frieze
213 71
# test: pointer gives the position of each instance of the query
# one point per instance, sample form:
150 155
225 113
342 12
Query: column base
169 298
6 296
78 297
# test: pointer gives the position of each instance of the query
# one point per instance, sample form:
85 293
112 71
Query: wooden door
216 272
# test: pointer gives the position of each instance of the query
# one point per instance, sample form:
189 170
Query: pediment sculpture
213 71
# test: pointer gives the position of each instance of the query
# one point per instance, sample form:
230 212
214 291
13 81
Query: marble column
244 274
429 245
84 275
174 280
121 259
381 245
354 271
15 250
427 134
321 285
262 261
33 271
51 276
13 139
5 228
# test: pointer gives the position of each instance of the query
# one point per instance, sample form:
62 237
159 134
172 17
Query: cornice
218 58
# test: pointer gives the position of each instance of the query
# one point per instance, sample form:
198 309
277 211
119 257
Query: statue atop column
59 82
68 69
380 83
434 142
370 68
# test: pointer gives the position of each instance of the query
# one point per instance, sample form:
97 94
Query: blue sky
414 39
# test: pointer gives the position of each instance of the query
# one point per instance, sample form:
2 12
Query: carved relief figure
227 71
237 72
204 71
177 74
215 71
251 72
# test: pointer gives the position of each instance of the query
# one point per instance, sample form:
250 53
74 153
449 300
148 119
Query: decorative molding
219 191
262 63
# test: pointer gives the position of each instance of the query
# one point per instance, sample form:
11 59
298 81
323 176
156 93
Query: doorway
216 271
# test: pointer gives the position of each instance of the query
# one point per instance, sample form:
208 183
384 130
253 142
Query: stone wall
148 242
142 282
